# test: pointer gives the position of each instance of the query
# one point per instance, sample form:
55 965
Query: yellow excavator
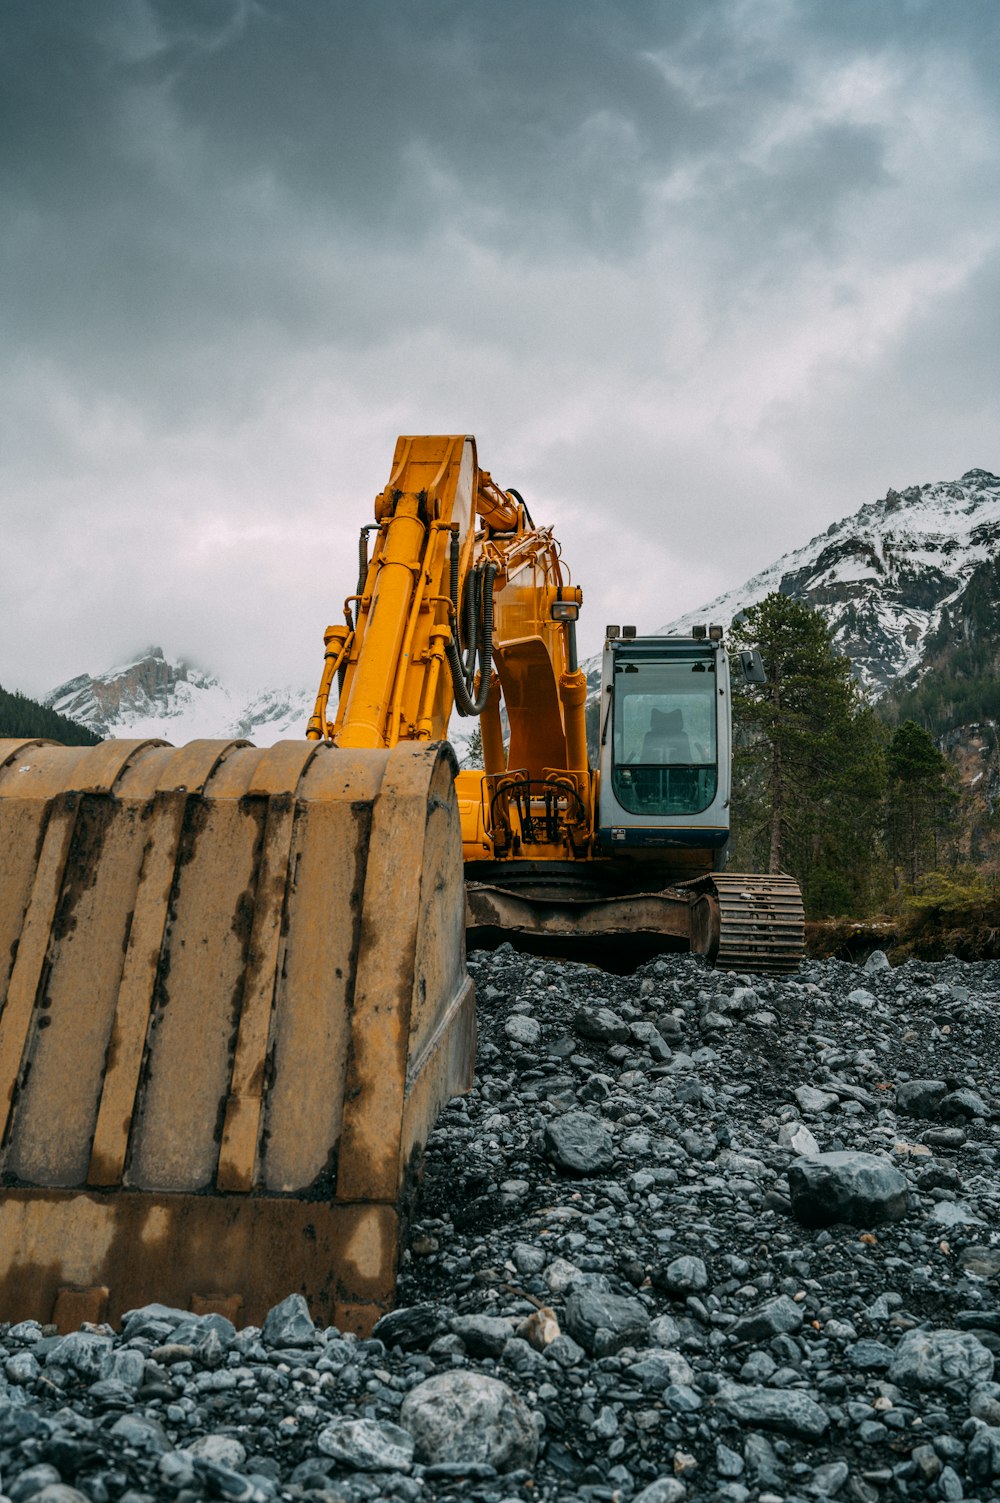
233 992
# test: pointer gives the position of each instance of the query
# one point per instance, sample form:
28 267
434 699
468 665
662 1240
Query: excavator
233 990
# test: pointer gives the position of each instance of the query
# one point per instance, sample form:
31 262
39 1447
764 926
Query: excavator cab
665 752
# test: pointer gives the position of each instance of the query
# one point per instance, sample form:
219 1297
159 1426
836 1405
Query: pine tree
921 801
24 717
809 765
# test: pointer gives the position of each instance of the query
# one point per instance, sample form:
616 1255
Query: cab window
664 753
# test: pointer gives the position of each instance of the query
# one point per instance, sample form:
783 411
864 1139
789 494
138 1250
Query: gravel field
691 1236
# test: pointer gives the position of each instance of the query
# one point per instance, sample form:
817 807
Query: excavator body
233 991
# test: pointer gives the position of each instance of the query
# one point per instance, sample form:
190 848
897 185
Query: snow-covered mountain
172 700
893 580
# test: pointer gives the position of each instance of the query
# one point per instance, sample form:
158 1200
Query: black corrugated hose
479 638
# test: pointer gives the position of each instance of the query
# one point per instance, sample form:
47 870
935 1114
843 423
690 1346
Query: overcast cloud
702 276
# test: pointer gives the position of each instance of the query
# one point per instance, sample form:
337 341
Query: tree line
21 717
823 788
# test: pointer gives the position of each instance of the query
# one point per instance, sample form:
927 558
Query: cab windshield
664 751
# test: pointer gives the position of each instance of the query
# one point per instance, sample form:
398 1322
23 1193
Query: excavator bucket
233 998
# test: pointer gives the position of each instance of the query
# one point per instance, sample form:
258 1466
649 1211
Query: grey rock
142 1433
650 1037
811 1099
82 1353
928 1359
786 1410
797 1137
846 1186
664 1331
579 1144
483 1335
126 1366
522 1029
31 1481
983 1454
601 1024
774 1317
953 1213
413 1327
367 1445
663 1490
657 1369
964 1104
289 1324
828 1479
870 1356
465 1416
984 1403
728 1463
920 1098
224 1450
604 1323
682 1276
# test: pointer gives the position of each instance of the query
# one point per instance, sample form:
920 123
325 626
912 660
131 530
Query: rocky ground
690 1237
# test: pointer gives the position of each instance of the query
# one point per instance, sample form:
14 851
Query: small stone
965 1104
775 1317
812 1100
367 1445
683 1276
953 1213
483 1335
828 1479
224 1450
289 1324
927 1359
522 1029
413 1327
142 1433
601 1024
579 1144
728 1463
859 1188
797 1137
870 1356
783 1409
465 1416
604 1323
983 1454
663 1490
920 1098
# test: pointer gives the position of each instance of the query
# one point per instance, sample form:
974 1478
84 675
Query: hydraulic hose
479 620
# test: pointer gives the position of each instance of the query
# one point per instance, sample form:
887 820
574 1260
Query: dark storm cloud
670 260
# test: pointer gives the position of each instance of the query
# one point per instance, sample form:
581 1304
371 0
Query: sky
702 277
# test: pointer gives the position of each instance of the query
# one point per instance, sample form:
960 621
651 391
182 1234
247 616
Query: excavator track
751 923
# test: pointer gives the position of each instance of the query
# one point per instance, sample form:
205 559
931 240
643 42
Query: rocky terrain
689 1237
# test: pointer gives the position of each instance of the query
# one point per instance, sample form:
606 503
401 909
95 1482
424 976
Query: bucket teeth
233 997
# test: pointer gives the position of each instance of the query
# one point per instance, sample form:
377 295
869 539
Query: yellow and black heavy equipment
233 992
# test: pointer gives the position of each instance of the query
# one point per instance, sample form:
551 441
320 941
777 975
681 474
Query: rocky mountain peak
891 579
